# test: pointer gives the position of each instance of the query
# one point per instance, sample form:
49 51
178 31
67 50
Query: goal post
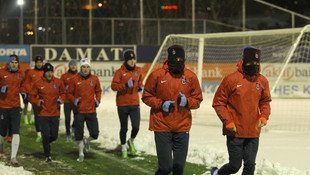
285 62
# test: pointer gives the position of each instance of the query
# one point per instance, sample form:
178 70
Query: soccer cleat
214 171
86 145
131 147
80 159
31 122
26 121
38 139
124 154
9 139
14 162
48 159
69 138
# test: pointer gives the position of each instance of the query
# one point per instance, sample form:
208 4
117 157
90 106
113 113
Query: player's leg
93 128
249 155
79 132
163 141
36 122
3 127
25 110
123 112
67 111
180 149
15 116
134 114
44 122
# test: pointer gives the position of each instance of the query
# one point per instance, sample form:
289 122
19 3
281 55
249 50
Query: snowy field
284 143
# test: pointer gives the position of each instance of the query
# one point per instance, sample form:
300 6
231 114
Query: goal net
285 62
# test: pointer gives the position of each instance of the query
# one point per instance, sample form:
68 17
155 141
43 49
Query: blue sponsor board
22 51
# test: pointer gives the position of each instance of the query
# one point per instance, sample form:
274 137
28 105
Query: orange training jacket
241 101
33 75
49 92
65 78
88 89
162 86
14 81
127 96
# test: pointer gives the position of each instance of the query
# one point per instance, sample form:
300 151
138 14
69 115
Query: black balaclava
129 54
251 60
176 59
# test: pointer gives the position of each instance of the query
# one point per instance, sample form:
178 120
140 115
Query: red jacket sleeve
149 93
195 97
98 90
264 103
116 84
71 91
220 102
33 95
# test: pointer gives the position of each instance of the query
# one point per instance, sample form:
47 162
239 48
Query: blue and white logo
136 73
18 77
91 83
257 86
55 86
183 81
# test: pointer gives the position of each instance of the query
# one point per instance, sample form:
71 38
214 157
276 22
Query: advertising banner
65 53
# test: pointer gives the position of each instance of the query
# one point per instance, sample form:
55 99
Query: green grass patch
98 161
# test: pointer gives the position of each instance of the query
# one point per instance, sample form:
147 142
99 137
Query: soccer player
67 104
171 92
11 79
47 94
33 76
25 99
242 102
127 81
85 93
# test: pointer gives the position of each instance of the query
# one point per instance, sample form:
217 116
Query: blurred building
127 22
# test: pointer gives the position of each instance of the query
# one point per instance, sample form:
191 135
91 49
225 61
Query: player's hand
168 105
182 101
77 101
96 103
130 83
4 89
234 129
59 101
24 95
261 124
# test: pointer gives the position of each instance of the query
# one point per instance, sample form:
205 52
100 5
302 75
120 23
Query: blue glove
24 95
41 102
141 88
77 101
182 101
96 103
129 83
67 87
167 105
59 101
4 88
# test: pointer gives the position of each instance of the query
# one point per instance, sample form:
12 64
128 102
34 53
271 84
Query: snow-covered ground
284 143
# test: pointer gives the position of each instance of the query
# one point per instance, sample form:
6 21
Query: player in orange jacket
33 76
25 100
127 81
66 78
48 93
242 102
85 93
172 92
11 79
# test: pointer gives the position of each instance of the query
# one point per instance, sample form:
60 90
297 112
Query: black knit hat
251 54
176 51
38 58
129 54
48 67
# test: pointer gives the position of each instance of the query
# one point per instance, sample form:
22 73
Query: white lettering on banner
10 51
102 54
116 53
271 71
210 73
80 54
65 54
53 52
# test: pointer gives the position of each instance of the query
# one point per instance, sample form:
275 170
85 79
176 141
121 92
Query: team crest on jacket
257 86
55 86
136 73
18 76
91 83
183 81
